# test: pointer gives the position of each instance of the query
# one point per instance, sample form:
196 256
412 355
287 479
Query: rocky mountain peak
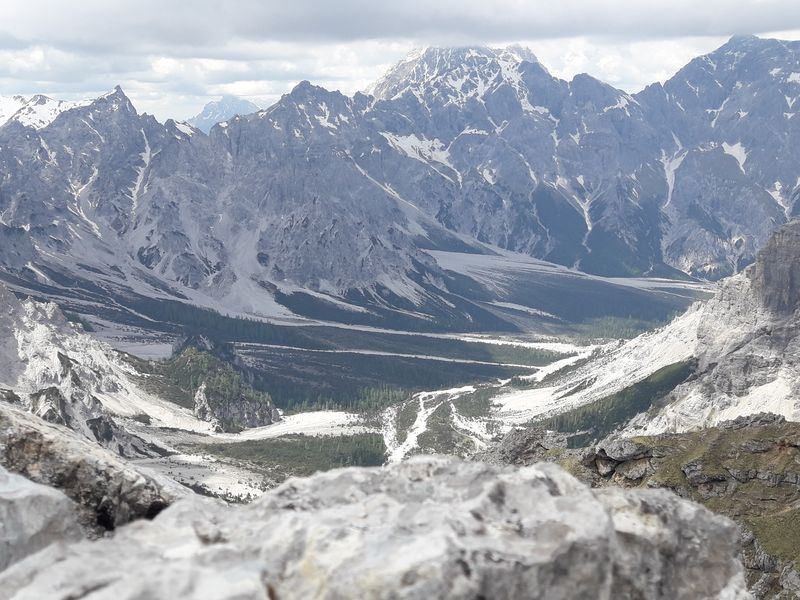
776 272
520 52
744 41
305 90
116 100
458 72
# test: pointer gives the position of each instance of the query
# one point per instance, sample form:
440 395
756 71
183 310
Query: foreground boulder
32 516
109 490
428 528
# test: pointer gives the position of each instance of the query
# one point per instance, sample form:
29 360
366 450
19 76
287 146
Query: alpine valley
472 258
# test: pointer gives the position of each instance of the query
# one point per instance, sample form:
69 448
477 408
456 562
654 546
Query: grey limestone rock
32 516
428 528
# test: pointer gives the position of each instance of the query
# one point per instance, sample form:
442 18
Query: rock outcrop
32 517
734 354
60 373
428 528
746 469
108 490
776 272
747 345
523 446
233 413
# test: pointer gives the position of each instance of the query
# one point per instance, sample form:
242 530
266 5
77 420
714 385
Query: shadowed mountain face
776 273
343 202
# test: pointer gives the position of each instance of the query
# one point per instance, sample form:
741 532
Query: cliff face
107 488
747 345
56 371
233 412
428 528
776 272
743 344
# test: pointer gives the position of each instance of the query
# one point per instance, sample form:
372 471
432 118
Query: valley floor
456 420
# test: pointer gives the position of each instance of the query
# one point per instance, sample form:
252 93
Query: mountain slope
53 369
741 344
273 214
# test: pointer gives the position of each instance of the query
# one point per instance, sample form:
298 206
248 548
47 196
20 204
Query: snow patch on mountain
10 105
457 75
737 151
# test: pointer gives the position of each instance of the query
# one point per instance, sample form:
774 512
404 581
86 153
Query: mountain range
387 207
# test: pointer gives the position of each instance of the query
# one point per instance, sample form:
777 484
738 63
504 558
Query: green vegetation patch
607 414
178 379
405 418
518 355
301 455
779 533
301 380
441 436
477 404
617 327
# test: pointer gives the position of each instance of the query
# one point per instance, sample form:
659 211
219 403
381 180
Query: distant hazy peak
218 111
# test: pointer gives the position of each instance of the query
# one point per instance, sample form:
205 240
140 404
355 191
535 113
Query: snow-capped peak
455 74
37 112
519 52
41 110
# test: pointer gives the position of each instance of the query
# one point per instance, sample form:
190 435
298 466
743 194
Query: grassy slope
607 414
770 509
300 455
751 475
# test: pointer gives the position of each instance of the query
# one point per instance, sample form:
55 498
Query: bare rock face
776 273
109 490
232 414
523 446
32 516
428 528
60 373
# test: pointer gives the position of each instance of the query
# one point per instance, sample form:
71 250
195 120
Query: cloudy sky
171 56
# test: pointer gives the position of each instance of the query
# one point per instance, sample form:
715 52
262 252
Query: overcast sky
172 56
